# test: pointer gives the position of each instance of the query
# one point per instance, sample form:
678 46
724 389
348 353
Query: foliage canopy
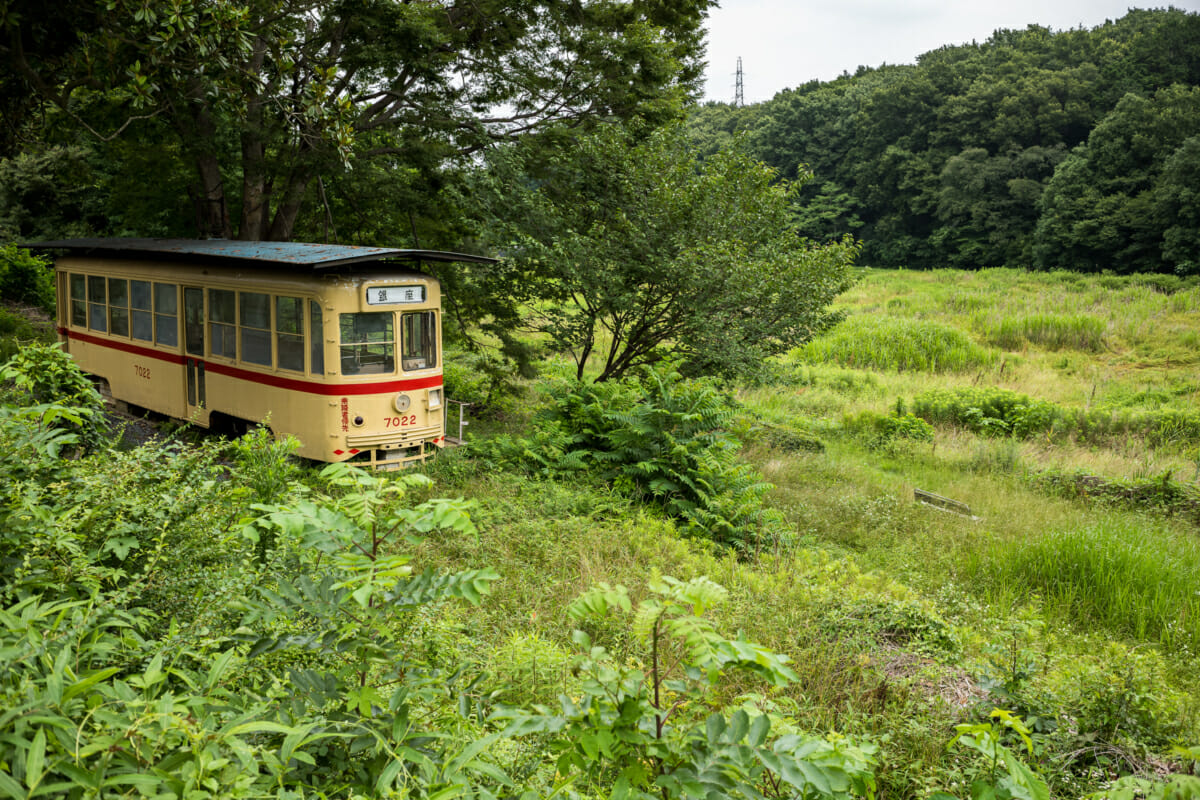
1052 149
272 95
634 252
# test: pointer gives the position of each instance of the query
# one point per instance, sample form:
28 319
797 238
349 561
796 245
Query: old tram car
337 346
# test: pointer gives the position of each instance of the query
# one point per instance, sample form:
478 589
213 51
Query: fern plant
658 437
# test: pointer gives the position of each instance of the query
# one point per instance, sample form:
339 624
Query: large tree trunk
256 189
198 132
284 224
212 214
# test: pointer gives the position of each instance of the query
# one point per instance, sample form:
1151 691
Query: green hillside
1036 148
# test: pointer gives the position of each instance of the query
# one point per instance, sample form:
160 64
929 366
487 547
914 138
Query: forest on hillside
1074 150
1044 149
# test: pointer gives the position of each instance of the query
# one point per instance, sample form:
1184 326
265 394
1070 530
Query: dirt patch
134 430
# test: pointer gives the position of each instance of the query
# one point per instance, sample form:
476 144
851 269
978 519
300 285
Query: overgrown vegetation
260 626
894 343
994 412
657 437
1107 574
148 649
26 278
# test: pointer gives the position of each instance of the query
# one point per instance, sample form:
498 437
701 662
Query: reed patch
1081 332
896 344
1109 573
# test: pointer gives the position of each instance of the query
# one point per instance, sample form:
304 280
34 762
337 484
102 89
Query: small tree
635 250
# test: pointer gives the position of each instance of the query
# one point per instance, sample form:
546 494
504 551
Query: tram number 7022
397 422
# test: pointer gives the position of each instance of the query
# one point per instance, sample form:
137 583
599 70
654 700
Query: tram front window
368 343
419 341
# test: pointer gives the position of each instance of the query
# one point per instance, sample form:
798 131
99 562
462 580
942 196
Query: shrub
485 381
659 437
651 727
895 623
93 707
992 411
789 440
880 429
1158 494
17 331
43 375
891 343
26 278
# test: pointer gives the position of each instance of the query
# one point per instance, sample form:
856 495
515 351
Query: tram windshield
368 343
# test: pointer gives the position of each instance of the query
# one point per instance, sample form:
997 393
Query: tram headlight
402 402
435 398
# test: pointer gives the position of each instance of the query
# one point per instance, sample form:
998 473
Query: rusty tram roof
269 255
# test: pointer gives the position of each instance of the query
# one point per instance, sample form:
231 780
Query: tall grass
1051 331
1111 574
894 344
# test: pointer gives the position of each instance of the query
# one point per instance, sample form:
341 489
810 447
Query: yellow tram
337 346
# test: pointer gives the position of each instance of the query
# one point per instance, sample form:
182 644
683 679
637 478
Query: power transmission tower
738 99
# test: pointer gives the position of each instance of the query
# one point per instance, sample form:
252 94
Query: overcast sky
785 43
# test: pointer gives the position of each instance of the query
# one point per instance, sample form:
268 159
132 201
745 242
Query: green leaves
302 673
648 724
58 392
1017 781
659 437
633 244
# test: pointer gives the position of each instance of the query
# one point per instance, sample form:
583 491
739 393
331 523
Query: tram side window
118 306
289 332
140 315
368 343
97 307
420 341
222 316
79 300
256 327
166 314
317 349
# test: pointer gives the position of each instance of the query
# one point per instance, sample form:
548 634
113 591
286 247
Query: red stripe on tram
277 381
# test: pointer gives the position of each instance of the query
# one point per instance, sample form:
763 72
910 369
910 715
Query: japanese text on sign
389 295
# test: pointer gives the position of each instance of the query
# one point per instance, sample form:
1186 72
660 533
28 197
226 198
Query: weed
895 344
1108 573
1050 331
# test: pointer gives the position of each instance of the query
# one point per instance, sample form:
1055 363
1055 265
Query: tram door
193 345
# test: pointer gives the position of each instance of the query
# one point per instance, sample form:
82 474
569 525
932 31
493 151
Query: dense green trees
636 253
265 99
1035 148
1113 201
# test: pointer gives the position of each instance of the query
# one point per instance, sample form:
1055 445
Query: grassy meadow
904 620
1089 347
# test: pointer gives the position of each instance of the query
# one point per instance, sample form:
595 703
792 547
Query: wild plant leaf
597 600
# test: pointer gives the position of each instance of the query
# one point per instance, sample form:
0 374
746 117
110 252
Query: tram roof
269 255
